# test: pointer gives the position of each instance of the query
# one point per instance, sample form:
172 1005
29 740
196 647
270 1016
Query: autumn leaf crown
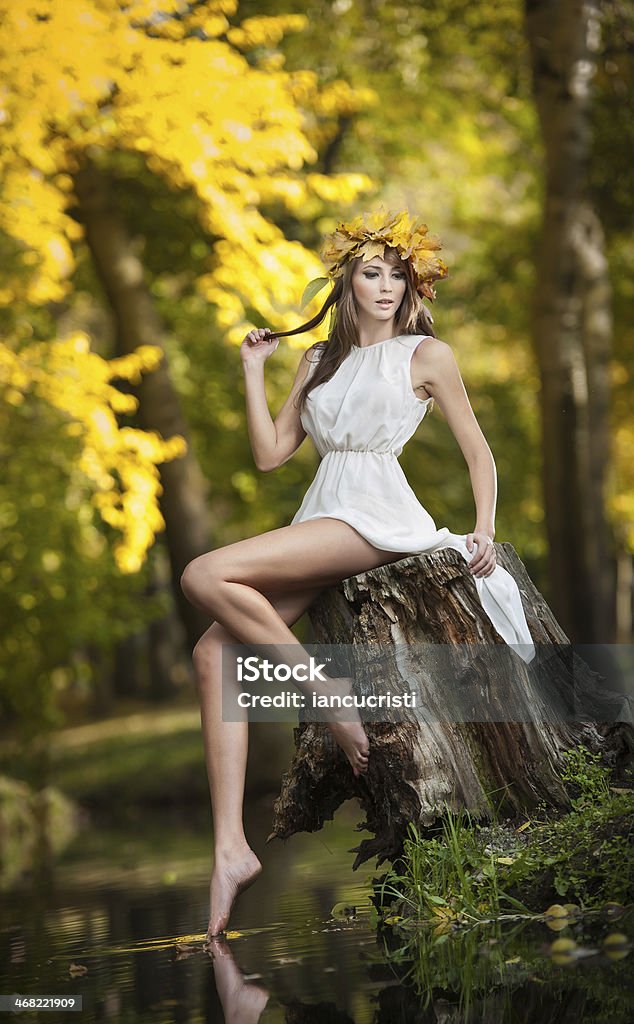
368 234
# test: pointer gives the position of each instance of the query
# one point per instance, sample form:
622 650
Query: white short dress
359 421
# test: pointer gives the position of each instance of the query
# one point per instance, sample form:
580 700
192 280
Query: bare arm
272 442
434 366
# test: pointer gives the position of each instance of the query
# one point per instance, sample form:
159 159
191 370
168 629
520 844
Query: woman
360 396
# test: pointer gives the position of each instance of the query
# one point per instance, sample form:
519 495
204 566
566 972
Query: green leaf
333 316
312 289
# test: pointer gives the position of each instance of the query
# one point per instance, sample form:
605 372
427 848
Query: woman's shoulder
414 341
426 346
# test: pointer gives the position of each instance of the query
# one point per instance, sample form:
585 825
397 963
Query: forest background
168 171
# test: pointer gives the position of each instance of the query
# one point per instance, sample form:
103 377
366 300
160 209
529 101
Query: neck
372 331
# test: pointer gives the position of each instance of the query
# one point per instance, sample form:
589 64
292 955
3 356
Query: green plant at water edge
470 872
585 772
585 854
467 901
450 879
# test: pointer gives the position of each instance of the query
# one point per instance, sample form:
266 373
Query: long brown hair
411 317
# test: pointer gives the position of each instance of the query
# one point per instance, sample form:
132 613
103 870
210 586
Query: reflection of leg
242 1003
231 584
226 743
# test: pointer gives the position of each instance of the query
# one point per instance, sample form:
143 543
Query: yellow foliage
265 31
120 464
90 77
95 75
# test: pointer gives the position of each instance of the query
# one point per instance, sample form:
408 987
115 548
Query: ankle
231 850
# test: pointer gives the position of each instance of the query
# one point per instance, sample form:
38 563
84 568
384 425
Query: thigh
312 554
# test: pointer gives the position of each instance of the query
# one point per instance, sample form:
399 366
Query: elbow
482 462
480 455
265 466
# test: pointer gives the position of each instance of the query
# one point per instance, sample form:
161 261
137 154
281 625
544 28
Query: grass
466 910
470 872
145 759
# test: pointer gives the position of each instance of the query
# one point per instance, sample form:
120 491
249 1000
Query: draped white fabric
359 421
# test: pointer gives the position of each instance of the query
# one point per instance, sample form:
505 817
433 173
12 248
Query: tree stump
411 612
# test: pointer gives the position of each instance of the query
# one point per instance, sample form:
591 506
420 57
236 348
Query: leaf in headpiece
312 289
371 249
430 243
427 290
375 221
401 223
418 227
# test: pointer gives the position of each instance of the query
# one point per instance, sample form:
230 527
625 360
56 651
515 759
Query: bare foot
346 727
242 1003
231 876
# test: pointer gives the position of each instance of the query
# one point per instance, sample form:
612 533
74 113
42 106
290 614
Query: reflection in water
121 921
131 907
242 1002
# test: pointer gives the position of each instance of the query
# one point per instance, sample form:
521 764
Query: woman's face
378 287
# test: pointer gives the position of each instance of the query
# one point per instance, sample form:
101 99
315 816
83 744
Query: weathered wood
407 610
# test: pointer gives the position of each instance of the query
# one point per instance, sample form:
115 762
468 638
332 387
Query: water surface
121 919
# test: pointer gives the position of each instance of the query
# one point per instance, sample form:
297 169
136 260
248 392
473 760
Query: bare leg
226 746
287 560
232 583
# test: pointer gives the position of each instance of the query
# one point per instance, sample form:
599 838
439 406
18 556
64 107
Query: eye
399 274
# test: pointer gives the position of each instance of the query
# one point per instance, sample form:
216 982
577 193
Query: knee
199 579
190 579
202 655
209 649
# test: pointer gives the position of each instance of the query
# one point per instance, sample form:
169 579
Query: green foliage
585 772
64 601
472 872
450 878
462 905
452 131
587 854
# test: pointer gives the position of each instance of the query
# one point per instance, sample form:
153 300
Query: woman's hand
483 562
258 345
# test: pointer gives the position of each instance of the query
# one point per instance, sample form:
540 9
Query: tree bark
413 625
184 498
572 323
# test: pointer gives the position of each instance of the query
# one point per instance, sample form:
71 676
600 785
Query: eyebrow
374 266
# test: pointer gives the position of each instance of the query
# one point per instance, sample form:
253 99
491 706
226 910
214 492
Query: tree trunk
184 498
166 642
489 730
572 323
